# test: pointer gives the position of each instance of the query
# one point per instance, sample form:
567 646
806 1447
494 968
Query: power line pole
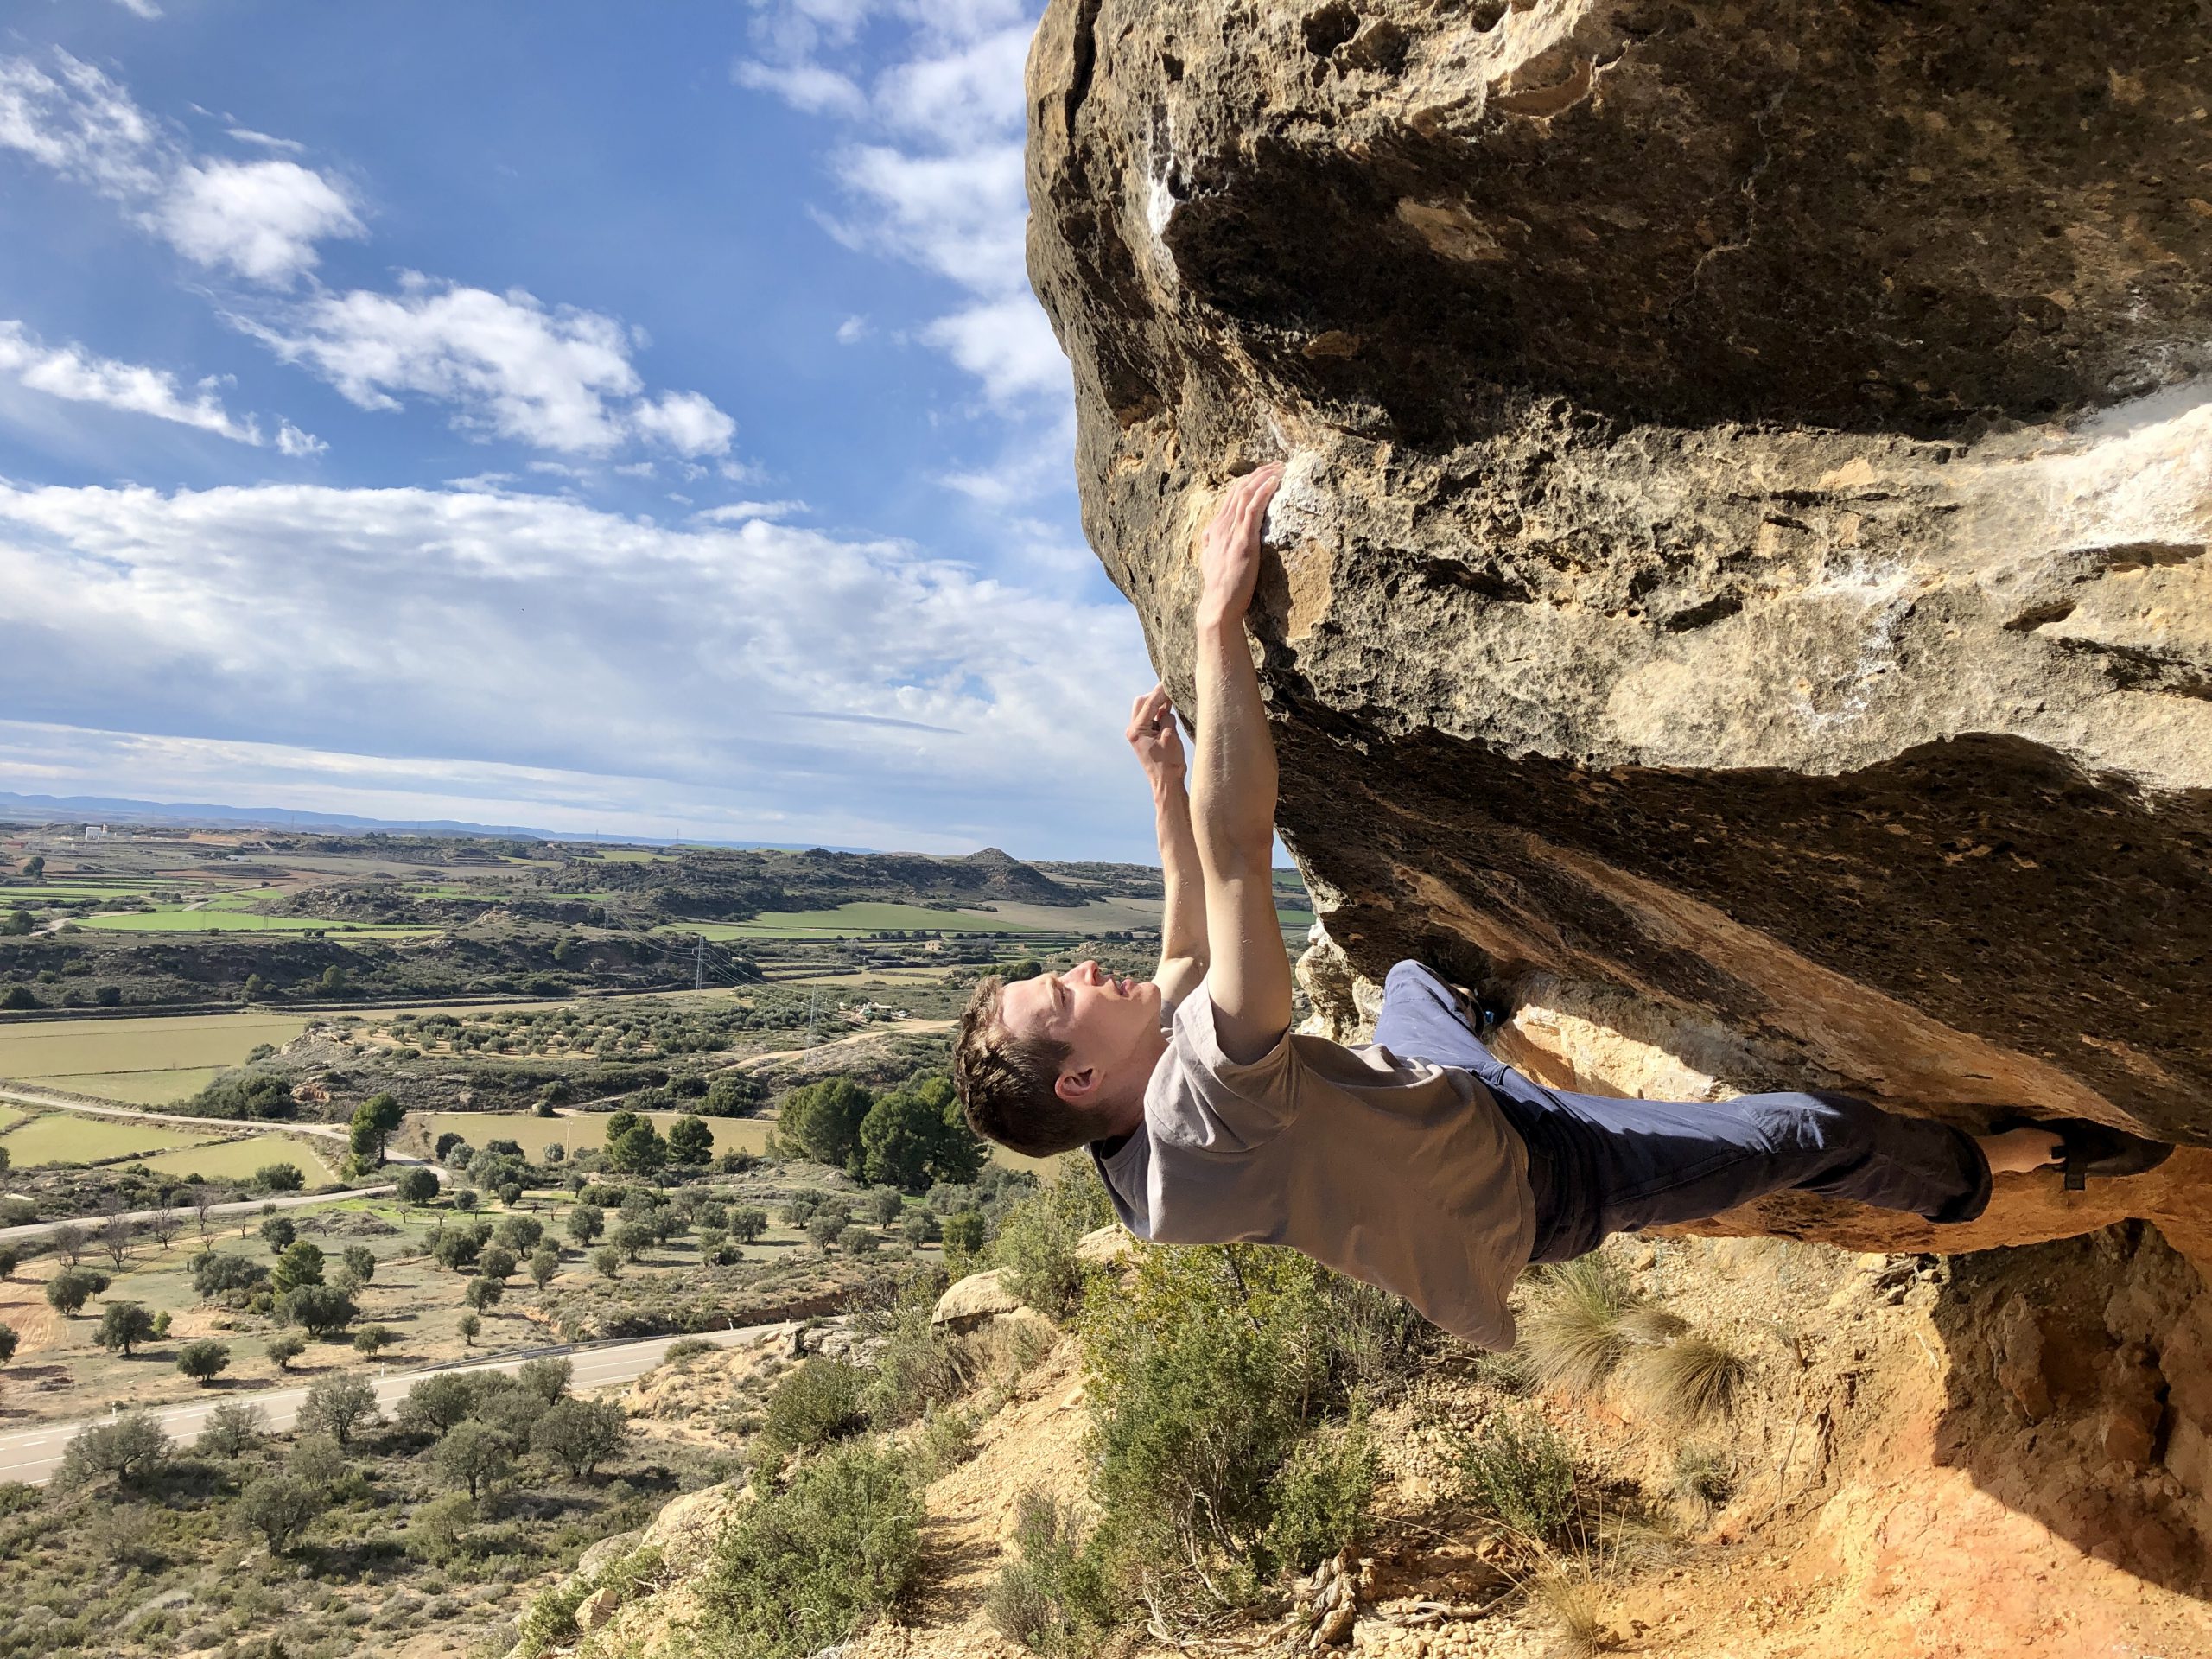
699 965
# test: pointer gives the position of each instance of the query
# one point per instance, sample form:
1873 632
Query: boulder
974 1300
1740 579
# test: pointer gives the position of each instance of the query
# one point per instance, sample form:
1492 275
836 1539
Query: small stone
596 1609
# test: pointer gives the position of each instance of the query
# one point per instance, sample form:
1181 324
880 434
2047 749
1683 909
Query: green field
53 895
41 1050
231 921
167 1087
847 920
234 1161
65 1138
11 1115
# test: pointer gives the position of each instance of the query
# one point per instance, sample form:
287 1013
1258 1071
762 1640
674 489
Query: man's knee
1816 1122
1416 978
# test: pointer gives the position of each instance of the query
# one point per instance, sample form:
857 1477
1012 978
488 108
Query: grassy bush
915 1367
1700 1477
1322 1494
945 1439
810 1405
1208 1374
1571 1329
550 1619
1054 1597
1522 1472
799 1570
1036 1242
1686 1382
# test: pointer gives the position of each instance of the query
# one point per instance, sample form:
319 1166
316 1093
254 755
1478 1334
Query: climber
1418 1162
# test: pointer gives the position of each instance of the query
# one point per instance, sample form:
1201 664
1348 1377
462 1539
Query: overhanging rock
1742 564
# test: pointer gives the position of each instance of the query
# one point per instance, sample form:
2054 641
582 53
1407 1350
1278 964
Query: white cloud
686 421
931 167
74 373
736 512
293 442
482 632
805 86
261 220
1009 344
145 8
267 141
554 377
853 330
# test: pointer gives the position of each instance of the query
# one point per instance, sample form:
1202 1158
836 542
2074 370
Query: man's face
1103 1020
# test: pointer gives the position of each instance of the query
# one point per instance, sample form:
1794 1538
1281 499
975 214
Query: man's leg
1654 1162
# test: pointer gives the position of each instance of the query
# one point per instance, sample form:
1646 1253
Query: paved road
33 1454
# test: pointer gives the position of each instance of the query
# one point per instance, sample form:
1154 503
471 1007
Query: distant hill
101 809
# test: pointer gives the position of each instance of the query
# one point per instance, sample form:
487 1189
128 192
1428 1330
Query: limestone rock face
1742 568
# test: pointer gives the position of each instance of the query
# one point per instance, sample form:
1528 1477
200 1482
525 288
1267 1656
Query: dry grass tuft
1572 1330
1688 1381
1650 1327
1579 1605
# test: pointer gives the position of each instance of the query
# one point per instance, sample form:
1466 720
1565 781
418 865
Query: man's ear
1077 1087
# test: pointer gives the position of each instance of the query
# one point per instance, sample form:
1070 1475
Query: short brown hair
1005 1083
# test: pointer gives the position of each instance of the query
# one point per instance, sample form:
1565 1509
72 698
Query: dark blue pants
1601 1165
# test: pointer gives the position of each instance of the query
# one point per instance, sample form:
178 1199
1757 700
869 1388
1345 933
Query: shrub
337 1405
581 1434
124 1325
474 1454
1571 1327
230 1429
1206 1376
277 1178
437 1531
1036 1242
374 1339
8 1342
1321 1496
945 1439
800 1569
285 1349
1700 1477
360 1262
817 1402
551 1620
1522 1473
1054 1597
280 1507
468 1325
438 1401
914 1366
215 1273
685 1348
549 1379
202 1360
320 1310
131 1444
68 1290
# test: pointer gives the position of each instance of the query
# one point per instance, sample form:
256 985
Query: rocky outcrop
1741 577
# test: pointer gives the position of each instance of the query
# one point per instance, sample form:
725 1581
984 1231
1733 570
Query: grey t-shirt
1393 1170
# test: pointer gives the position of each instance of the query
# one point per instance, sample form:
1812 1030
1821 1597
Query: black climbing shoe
2092 1148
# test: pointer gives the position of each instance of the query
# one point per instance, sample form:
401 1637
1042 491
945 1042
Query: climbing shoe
2092 1148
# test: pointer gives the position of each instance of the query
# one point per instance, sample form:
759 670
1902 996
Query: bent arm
1183 956
1159 749
1233 791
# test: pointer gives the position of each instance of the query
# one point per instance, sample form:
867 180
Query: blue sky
622 419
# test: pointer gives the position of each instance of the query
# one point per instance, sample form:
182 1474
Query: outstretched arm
1233 791
1159 748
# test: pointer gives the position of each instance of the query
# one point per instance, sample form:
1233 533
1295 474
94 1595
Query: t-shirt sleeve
1218 1105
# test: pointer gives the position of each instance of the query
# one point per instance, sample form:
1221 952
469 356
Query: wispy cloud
261 220
78 376
931 167
554 377
836 677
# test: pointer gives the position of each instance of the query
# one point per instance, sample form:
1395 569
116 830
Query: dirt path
25 1097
